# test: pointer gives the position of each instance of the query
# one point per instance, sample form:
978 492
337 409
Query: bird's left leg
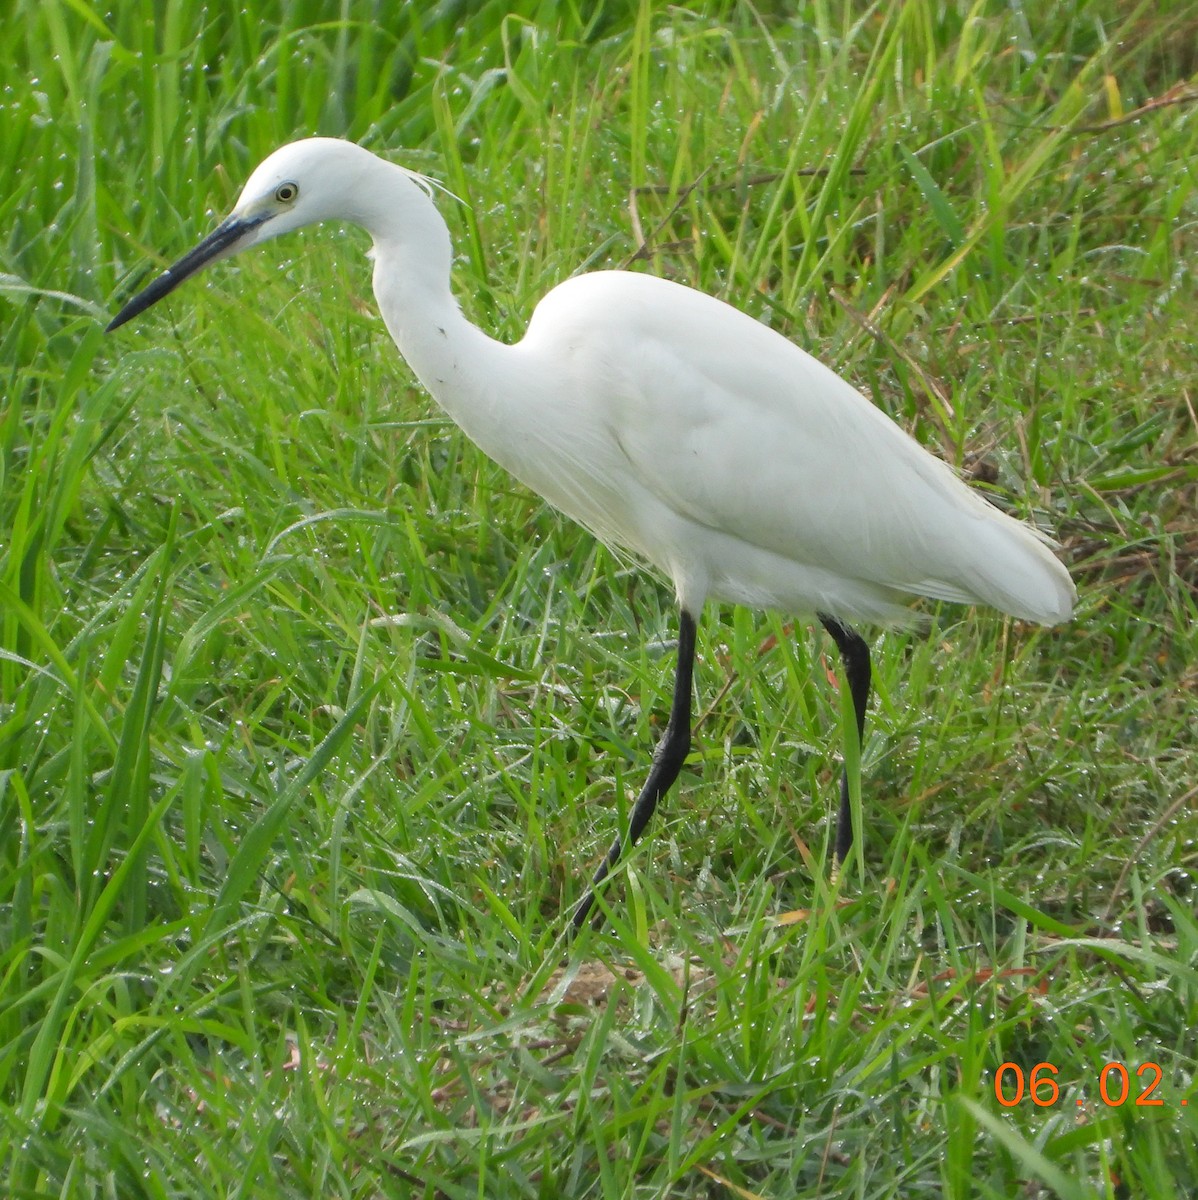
668 758
854 653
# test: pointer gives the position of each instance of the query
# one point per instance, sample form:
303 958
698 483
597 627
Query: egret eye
285 193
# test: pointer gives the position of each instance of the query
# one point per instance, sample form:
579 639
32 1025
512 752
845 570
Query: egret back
734 446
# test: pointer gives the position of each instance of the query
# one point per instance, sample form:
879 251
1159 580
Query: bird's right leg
668 758
854 653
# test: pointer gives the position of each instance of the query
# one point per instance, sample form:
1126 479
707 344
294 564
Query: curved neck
468 373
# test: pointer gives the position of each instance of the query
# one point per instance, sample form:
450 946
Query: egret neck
465 371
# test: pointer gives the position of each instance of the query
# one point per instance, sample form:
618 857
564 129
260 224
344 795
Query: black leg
854 653
668 758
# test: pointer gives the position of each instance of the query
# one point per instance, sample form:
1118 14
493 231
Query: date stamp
1114 1082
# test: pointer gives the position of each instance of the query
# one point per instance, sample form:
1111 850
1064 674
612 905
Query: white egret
673 426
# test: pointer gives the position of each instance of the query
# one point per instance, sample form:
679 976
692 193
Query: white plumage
671 425
752 473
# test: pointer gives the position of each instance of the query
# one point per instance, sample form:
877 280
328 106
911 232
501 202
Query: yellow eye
285 193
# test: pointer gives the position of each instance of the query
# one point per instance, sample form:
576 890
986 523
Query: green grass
314 723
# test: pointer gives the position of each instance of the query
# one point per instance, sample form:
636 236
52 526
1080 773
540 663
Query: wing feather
735 429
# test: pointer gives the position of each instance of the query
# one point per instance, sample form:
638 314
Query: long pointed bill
220 243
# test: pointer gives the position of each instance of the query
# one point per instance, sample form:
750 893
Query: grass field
314 723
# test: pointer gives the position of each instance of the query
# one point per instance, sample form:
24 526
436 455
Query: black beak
220 243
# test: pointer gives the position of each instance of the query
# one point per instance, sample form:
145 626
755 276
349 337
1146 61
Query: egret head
313 180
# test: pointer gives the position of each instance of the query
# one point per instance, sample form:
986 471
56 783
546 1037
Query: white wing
734 428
